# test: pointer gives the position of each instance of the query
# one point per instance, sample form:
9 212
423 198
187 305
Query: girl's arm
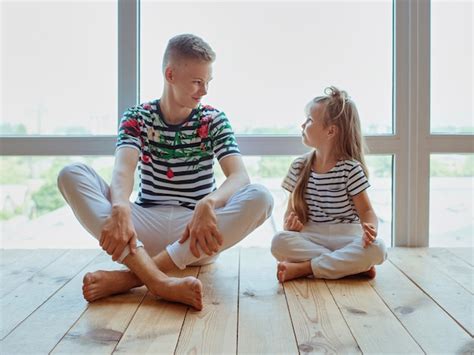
367 216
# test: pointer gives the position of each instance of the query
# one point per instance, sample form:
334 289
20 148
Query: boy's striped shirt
176 161
329 195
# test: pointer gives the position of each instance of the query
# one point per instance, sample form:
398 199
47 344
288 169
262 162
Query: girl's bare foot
187 290
369 273
288 271
100 284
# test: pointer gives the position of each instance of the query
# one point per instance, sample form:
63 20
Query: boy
179 217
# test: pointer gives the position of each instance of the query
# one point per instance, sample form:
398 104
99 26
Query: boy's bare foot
288 271
187 290
100 284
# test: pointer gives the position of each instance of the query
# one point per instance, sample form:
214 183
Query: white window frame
411 144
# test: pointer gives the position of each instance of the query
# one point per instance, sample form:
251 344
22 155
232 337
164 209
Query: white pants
335 250
161 227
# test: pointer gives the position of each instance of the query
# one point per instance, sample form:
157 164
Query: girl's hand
370 233
292 223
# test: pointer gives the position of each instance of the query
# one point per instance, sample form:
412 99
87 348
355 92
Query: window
274 57
451 200
59 67
451 79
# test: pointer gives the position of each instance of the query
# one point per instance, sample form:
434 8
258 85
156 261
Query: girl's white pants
335 250
161 227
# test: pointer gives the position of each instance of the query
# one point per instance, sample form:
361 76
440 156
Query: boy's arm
118 230
203 226
236 178
367 216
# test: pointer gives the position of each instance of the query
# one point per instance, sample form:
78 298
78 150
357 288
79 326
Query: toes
88 279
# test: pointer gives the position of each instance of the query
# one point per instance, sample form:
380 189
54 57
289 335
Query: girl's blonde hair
341 111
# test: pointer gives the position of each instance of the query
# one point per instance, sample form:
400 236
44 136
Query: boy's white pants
335 250
161 227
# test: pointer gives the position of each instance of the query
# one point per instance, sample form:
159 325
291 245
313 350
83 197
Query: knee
280 245
68 175
378 252
262 199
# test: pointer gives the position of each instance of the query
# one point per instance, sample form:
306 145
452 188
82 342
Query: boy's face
189 81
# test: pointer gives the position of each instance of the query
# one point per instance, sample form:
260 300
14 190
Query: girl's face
315 135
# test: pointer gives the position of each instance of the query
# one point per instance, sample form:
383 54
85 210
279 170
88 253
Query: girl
330 228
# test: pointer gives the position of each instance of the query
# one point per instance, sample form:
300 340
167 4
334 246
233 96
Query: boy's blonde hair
187 46
341 111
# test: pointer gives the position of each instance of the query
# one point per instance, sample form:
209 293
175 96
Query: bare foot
100 284
288 271
370 274
187 290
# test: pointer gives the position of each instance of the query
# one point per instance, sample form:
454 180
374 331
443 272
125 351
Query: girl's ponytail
297 198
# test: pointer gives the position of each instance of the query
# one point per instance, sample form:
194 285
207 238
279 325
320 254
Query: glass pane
31 201
275 56
451 200
59 67
33 213
270 171
452 82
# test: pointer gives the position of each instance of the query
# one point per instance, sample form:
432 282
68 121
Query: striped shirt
176 161
329 195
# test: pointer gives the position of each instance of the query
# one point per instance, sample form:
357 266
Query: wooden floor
420 302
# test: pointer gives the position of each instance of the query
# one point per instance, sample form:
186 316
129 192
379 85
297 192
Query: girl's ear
332 131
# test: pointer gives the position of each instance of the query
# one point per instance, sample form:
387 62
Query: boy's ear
169 73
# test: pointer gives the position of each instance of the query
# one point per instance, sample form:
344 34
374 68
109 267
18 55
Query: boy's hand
292 223
203 231
117 232
370 233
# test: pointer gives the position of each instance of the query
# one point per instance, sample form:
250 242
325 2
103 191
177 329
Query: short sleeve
289 182
357 181
129 133
223 137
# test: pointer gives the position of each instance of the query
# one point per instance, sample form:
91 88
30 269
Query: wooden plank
373 325
453 298
8 256
466 254
264 320
156 325
214 329
318 323
101 326
432 328
43 329
445 262
19 270
24 300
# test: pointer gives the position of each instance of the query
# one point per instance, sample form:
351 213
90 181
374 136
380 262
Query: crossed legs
152 271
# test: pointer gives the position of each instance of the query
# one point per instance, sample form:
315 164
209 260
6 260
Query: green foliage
15 129
270 167
446 166
379 165
47 198
14 170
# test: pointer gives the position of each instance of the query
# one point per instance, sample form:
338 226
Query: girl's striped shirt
176 161
329 195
